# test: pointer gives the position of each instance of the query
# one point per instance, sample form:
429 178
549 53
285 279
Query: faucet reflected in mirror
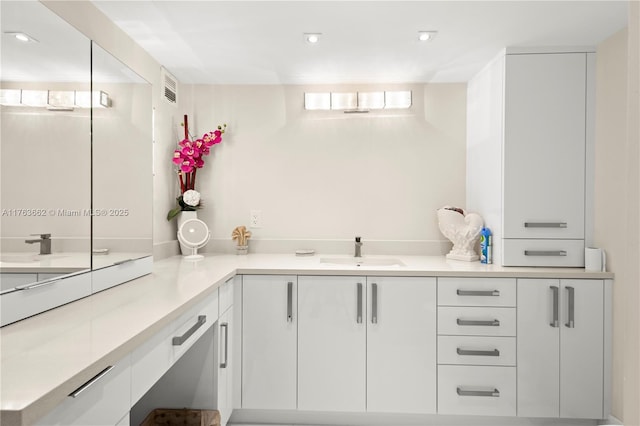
45 243
358 247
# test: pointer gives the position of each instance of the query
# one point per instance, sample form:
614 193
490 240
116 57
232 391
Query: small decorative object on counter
486 246
462 229
241 235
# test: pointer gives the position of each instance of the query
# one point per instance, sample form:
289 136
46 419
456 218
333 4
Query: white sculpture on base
462 230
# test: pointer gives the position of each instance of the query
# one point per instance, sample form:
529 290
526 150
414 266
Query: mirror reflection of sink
361 261
29 257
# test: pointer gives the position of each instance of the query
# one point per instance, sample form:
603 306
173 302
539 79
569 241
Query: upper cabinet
529 132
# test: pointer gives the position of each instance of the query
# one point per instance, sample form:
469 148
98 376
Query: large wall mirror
75 161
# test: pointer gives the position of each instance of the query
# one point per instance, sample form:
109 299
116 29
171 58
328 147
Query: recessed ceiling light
312 38
25 38
426 35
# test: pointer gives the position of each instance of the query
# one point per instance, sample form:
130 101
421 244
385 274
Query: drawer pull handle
225 325
545 224
474 352
489 323
374 303
39 284
179 340
90 382
478 292
290 301
545 253
495 393
122 262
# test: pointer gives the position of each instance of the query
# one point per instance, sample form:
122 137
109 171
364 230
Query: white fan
194 234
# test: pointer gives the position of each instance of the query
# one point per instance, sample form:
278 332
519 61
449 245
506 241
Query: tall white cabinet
560 348
530 133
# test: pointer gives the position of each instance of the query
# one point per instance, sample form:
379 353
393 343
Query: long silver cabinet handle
494 393
478 292
225 325
474 352
178 340
571 323
545 253
545 224
374 303
554 321
490 323
290 301
122 262
39 284
90 382
359 305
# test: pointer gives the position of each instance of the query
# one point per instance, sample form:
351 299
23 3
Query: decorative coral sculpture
463 230
241 235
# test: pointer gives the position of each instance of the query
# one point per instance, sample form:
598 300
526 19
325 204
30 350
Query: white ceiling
230 42
261 42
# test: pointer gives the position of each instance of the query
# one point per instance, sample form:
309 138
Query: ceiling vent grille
169 87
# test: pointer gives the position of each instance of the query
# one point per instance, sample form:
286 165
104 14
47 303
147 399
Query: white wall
321 178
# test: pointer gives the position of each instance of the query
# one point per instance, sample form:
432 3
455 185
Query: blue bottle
486 249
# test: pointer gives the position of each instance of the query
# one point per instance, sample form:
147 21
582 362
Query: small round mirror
194 234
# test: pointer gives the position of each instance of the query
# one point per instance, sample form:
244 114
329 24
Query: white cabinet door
269 342
581 355
331 343
401 345
538 348
560 349
224 361
544 145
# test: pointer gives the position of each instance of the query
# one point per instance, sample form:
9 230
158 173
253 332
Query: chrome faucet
358 247
45 243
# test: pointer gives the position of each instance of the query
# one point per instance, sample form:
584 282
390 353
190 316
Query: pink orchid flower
177 157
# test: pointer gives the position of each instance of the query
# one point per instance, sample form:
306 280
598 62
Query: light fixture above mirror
357 101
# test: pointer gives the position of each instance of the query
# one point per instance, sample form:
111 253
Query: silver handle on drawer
374 303
290 301
359 305
571 323
495 393
225 325
178 340
554 322
122 262
90 382
545 253
490 323
478 292
39 284
545 224
475 352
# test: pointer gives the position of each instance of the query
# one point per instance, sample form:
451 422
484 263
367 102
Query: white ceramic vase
463 230
183 216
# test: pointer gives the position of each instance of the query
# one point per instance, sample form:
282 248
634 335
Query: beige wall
617 199
320 178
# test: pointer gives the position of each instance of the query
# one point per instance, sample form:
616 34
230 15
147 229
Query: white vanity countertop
46 357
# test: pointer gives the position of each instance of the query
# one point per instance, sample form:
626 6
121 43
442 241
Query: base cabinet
560 348
269 342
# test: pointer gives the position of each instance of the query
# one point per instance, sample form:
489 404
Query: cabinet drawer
543 253
154 357
105 400
469 390
225 294
481 350
475 321
476 292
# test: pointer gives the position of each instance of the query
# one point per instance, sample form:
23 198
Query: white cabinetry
332 343
224 361
401 345
269 342
560 348
529 129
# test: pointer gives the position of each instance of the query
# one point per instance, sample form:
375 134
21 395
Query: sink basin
29 257
361 261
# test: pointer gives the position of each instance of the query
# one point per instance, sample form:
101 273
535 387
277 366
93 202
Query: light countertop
46 357
62 262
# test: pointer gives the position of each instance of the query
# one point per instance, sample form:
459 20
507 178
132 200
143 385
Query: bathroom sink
361 261
29 257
